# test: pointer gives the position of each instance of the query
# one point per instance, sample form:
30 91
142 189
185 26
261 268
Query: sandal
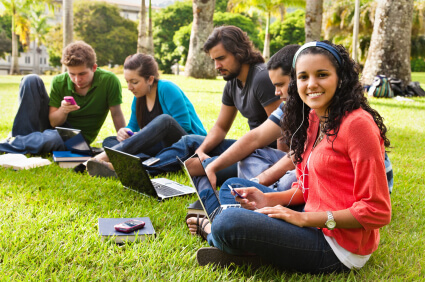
100 168
201 222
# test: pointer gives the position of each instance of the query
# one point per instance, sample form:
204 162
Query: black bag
414 88
397 86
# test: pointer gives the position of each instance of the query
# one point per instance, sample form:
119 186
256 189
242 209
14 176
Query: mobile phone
151 161
130 133
70 100
234 191
129 225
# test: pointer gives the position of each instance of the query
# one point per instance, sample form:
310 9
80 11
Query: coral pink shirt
350 174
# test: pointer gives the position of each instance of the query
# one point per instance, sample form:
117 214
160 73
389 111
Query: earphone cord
290 150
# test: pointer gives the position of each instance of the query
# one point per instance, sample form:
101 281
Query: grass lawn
49 215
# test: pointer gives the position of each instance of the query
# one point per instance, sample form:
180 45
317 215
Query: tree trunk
313 20
141 40
68 25
150 34
14 67
389 51
199 64
356 31
266 50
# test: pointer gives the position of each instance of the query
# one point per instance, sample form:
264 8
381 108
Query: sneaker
212 255
7 139
100 168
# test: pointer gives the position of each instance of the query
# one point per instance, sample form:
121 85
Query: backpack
397 86
414 89
381 87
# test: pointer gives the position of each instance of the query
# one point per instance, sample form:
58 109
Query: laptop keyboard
165 190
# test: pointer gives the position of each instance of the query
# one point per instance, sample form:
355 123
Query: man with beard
248 90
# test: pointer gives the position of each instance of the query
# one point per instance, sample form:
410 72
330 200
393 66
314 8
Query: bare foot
198 227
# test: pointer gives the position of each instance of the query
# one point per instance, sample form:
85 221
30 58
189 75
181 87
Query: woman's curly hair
348 97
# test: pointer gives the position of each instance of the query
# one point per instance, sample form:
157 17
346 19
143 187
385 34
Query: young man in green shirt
95 91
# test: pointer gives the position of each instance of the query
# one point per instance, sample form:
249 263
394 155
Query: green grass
49 215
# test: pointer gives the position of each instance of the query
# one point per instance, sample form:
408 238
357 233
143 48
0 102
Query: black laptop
75 141
134 176
192 166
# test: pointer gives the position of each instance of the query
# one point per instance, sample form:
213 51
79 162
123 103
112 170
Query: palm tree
198 64
389 51
39 30
67 24
20 27
267 7
141 41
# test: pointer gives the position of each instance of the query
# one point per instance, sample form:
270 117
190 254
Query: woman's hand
123 134
252 199
288 215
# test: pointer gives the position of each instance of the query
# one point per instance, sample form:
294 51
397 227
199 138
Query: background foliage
100 25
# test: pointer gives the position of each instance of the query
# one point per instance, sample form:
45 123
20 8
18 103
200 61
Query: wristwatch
330 223
255 179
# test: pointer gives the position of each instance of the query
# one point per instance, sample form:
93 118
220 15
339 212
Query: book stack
67 159
20 161
196 208
107 230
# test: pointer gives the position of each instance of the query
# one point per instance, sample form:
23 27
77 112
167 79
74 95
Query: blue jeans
184 149
239 231
226 198
262 159
31 126
160 133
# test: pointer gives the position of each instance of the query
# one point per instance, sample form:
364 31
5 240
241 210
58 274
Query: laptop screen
131 172
196 172
74 140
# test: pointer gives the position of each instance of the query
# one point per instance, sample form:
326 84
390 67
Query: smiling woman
160 115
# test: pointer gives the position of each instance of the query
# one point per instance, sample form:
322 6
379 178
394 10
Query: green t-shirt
104 92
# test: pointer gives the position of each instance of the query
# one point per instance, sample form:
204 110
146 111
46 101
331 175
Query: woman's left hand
288 215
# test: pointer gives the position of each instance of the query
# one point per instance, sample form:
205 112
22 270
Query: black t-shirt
258 92
147 116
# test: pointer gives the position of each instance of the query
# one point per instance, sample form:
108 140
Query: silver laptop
134 176
75 141
193 168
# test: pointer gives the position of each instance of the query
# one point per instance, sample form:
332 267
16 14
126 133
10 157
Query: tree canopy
100 25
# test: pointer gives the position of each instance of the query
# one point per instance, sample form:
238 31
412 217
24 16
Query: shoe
212 255
81 168
201 222
100 168
8 138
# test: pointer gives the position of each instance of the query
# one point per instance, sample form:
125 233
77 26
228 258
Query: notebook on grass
193 168
134 176
75 141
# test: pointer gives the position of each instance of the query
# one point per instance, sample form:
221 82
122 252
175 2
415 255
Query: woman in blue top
160 115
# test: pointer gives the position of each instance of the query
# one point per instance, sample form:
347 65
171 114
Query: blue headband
331 49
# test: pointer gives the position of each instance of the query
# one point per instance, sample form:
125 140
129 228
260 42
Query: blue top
277 114
174 103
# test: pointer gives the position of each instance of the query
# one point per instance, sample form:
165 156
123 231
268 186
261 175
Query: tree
55 46
267 7
94 22
5 35
68 24
389 51
166 22
142 40
182 37
198 64
313 20
290 31
39 29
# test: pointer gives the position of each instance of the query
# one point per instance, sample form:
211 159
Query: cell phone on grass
129 225
70 100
